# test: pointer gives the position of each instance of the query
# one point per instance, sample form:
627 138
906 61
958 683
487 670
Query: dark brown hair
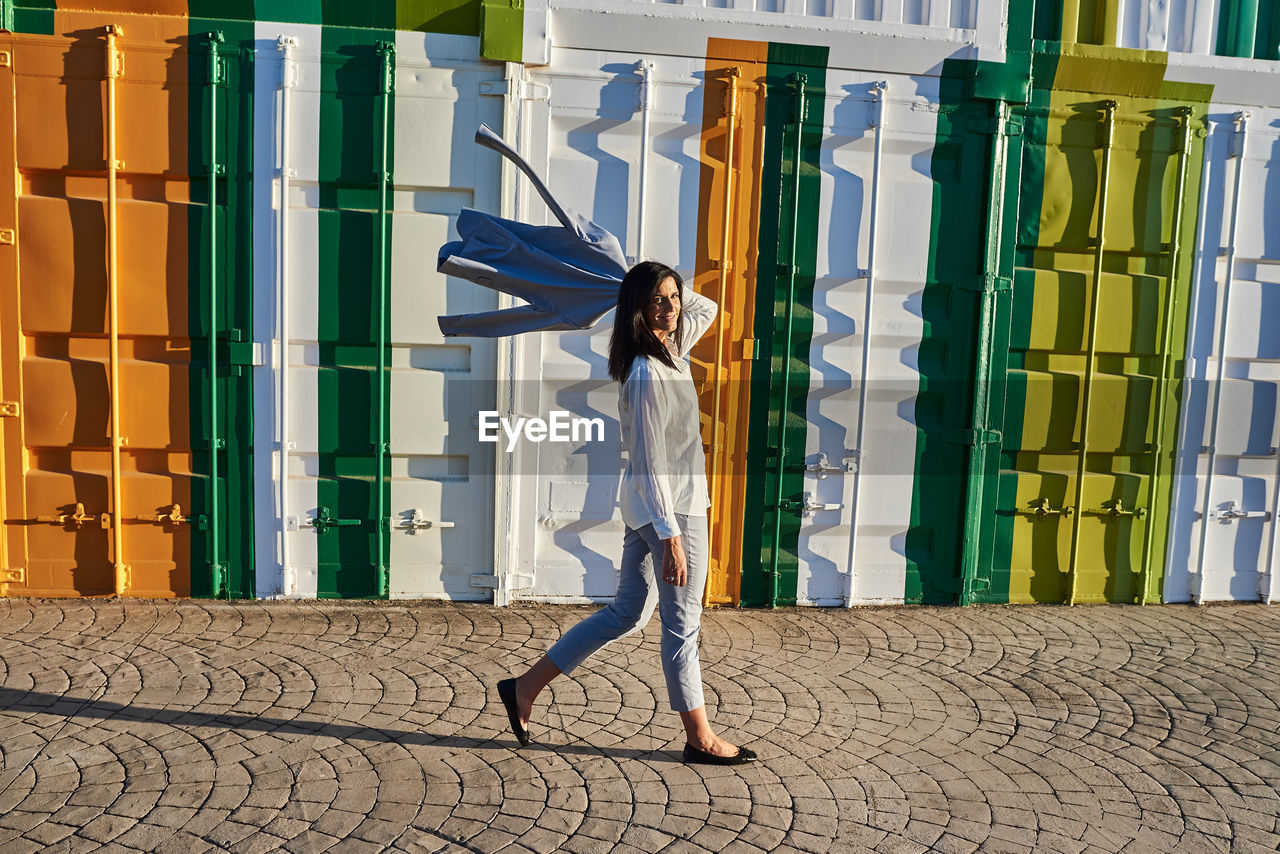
632 336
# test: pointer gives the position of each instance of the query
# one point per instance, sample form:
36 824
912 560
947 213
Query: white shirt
658 410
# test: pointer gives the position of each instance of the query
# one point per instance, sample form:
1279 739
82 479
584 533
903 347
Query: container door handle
323 521
1040 509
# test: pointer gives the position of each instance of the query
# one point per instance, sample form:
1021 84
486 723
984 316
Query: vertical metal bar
1236 150
798 81
1271 591
1071 20
979 421
288 573
722 287
1108 134
646 106
216 576
1184 460
387 53
1110 15
506 536
113 166
1166 344
877 90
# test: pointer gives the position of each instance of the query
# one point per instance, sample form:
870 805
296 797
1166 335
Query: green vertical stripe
28 16
767 408
1238 22
234 253
351 143
962 166
945 358
994 563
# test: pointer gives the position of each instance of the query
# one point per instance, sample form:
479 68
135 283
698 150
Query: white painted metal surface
586 137
834 568
645 69
1223 530
886 37
442 477
1181 26
941 14
285 253
878 91
288 573
441 474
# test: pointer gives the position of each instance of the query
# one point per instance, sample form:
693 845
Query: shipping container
997 287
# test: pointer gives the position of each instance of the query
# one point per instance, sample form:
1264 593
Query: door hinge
751 349
13 575
6 59
8 236
970 436
985 282
9 409
241 353
990 124
518 581
526 90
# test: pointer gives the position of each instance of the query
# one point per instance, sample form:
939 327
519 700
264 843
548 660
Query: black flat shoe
694 756
507 691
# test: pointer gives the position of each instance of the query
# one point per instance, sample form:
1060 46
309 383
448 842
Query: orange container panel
13 566
61 497
731 224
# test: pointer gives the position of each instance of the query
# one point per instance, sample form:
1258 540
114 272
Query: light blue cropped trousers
640 590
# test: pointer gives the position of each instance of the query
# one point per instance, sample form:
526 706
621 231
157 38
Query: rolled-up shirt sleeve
650 466
699 313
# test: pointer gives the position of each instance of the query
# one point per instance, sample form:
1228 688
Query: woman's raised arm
699 313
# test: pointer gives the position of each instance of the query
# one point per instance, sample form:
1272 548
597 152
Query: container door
728 236
1224 538
1098 314
590 111
352 204
790 196
442 485
60 507
389 492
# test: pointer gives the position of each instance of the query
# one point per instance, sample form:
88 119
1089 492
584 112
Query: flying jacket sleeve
647 409
699 313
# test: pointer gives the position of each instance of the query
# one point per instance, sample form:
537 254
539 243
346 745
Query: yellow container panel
1052 367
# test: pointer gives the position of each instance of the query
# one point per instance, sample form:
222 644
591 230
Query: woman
664 505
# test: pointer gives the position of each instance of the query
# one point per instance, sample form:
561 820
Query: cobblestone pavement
188 727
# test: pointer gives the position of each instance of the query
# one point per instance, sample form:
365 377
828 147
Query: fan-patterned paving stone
185 726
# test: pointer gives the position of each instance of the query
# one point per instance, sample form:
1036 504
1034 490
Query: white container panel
270 211
441 474
1229 553
1181 26
585 137
834 568
939 14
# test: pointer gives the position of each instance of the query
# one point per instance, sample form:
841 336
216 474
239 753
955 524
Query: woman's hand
675 569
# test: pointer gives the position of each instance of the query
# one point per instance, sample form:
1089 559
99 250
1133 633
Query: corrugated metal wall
996 294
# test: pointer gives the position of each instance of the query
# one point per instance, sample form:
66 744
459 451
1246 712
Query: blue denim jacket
569 274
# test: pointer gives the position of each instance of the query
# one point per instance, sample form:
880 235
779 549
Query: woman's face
663 311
